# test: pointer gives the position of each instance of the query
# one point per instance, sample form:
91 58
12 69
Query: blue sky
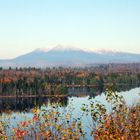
97 24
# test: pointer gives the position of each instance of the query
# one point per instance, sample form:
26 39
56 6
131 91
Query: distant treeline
52 81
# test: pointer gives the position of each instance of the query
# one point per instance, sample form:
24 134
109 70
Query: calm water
21 108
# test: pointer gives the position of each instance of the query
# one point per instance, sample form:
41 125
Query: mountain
69 56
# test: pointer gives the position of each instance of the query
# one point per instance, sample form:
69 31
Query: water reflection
26 104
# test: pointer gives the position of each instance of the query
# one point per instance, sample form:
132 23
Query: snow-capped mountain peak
105 51
70 56
59 48
100 51
73 48
65 48
43 49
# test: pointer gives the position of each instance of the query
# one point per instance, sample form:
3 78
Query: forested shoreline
56 81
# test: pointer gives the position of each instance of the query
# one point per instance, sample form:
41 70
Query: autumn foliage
121 123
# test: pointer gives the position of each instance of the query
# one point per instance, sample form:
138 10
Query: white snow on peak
43 49
100 51
72 48
59 48
104 51
65 48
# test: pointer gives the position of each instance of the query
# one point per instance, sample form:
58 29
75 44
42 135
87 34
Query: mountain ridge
69 56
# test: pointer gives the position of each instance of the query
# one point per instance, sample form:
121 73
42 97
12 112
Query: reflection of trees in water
62 101
98 90
26 104
86 91
17 104
120 88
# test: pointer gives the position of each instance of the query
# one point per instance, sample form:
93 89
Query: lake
21 108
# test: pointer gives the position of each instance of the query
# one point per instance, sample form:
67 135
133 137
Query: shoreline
60 95
32 96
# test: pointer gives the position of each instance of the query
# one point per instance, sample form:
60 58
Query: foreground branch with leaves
122 123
